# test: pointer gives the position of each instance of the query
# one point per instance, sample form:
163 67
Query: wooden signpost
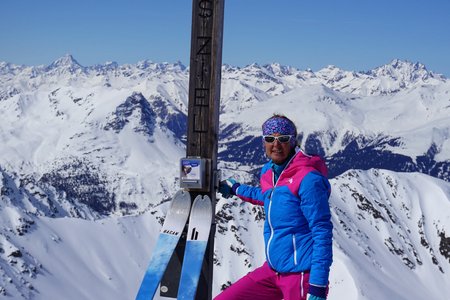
203 128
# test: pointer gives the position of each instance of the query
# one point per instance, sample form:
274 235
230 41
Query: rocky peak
65 64
405 71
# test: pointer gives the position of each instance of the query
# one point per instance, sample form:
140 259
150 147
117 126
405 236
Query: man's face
277 151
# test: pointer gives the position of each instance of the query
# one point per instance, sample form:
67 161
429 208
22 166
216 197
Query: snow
403 200
106 259
93 260
390 228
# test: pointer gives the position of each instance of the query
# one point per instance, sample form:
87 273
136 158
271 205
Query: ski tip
182 193
202 201
202 198
181 201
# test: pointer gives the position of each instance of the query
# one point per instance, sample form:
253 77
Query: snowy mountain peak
111 64
280 70
67 61
331 72
9 69
160 67
106 67
135 110
4 66
332 68
405 71
65 65
387 79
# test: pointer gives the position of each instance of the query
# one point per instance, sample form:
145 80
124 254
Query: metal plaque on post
192 173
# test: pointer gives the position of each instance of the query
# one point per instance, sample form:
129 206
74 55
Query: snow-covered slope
69 125
391 237
397 113
406 214
391 241
415 118
89 158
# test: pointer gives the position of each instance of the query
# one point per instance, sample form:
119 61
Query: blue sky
351 34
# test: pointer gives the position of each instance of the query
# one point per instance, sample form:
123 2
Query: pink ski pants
265 283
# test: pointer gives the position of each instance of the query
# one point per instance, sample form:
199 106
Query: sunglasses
281 138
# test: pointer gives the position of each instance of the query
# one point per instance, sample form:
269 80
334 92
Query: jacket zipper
302 292
295 249
270 208
270 222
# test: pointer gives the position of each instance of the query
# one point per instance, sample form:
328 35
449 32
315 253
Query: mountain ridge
95 151
49 121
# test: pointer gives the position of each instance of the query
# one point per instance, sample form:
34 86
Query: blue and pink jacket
298 228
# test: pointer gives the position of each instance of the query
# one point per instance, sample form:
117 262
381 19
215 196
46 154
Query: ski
165 245
197 239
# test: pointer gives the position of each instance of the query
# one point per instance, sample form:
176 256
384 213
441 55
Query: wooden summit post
203 128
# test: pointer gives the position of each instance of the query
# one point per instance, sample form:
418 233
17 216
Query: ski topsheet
197 239
167 241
